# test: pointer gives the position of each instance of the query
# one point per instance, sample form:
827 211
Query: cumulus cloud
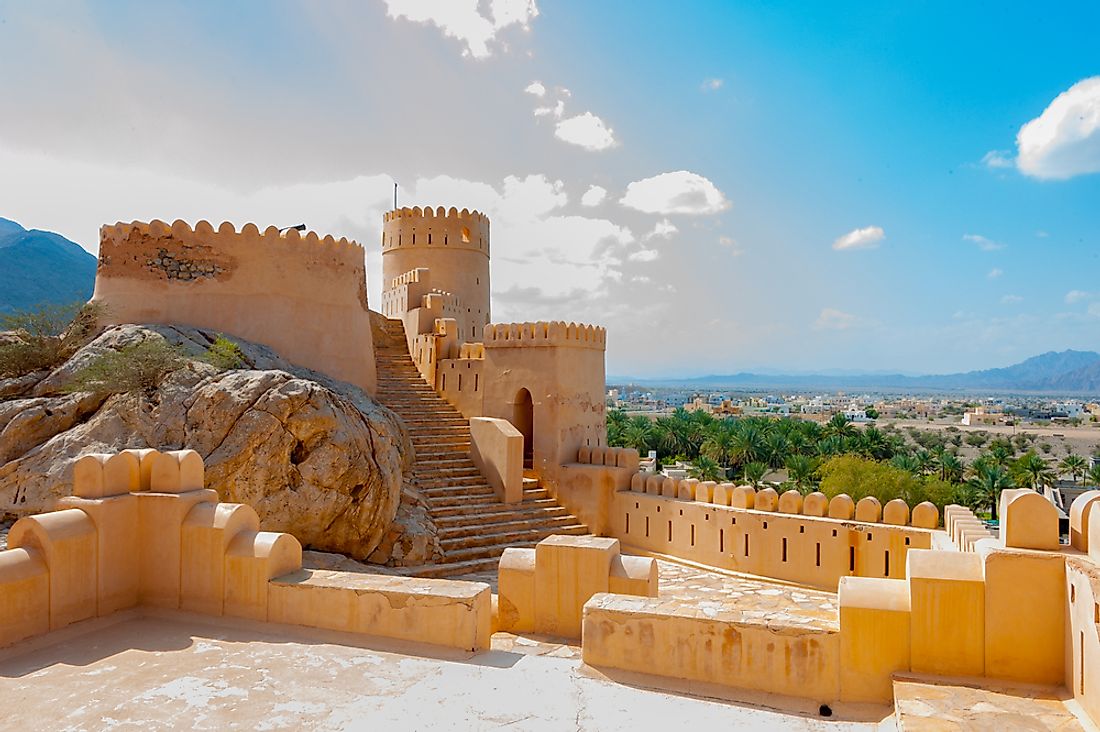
594 196
1064 140
710 85
995 273
866 238
585 130
997 159
644 255
463 19
833 319
663 229
983 243
676 192
536 88
1076 296
1011 299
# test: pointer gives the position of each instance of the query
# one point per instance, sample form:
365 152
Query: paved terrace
178 672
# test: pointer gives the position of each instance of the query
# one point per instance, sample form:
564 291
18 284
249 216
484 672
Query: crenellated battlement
553 333
227 237
439 213
439 229
287 290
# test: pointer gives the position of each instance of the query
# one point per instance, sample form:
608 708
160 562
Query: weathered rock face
316 458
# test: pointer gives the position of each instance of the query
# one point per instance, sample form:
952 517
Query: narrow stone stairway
474 528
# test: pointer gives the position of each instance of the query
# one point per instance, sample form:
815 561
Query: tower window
465 235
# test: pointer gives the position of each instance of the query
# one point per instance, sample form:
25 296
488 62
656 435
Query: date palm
801 469
839 426
988 482
1075 465
704 468
1093 476
1034 471
754 473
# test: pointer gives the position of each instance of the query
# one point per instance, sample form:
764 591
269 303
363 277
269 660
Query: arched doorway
523 418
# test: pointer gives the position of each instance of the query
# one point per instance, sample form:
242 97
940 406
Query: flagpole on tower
395 195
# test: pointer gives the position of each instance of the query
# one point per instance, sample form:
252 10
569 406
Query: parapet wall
417 227
553 333
304 296
141 531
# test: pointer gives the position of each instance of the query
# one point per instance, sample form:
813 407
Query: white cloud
995 273
594 196
985 244
663 229
833 319
644 255
536 88
1094 310
585 130
866 238
734 248
1064 140
710 85
463 20
997 159
1076 296
1041 234
679 191
1011 300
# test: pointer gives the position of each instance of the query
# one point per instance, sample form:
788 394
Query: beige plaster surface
924 706
175 672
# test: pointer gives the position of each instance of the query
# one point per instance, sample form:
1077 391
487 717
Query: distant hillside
1065 371
41 267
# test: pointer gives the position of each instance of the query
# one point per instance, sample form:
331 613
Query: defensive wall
142 532
302 295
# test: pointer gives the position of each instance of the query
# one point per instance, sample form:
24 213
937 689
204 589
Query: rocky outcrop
315 457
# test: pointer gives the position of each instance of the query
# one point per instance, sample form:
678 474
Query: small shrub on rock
132 369
224 354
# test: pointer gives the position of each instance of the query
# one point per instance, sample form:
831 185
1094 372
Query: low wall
141 531
496 448
718 647
815 551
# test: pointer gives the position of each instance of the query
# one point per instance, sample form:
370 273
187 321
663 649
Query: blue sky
737 145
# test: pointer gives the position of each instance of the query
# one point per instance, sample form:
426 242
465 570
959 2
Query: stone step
483 528
482 507
453 547
458 490
530 539
503 513
454 569
442 460
441 452
460 500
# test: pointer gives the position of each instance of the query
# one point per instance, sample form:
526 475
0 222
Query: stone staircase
474 528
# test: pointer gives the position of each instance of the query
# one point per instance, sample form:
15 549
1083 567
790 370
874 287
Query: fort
813 605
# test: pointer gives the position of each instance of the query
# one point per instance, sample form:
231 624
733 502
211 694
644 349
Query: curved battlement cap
437 228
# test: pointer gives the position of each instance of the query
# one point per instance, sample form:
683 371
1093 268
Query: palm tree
617 422
908 463
951 467
988 482
748 443
670 435
926 463
775 448
1034 470
719 444
1074 465
800 469
1093 476
754 472
704 468
840 426
638 434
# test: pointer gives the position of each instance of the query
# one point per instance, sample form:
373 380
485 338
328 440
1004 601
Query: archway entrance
523 418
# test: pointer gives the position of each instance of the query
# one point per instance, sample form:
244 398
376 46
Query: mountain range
38 267
1064 372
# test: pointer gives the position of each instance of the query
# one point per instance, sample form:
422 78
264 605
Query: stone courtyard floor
175 671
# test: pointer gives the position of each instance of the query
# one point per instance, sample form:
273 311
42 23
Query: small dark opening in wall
627 524
733 521
784 548
658 509
746 545
681 512
670 531
647 527
851 559
722 543
825 710
886 567
693 534
834 532
818 554
765 524
706 517
802 529
907 541
868 536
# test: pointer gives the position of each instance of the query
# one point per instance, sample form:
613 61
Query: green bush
43 337
131 369
224 354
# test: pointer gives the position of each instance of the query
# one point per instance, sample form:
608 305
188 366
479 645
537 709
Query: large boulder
315 457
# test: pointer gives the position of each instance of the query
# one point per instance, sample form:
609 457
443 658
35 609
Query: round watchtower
454 247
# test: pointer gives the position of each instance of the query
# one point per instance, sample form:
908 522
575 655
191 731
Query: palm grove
839 457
